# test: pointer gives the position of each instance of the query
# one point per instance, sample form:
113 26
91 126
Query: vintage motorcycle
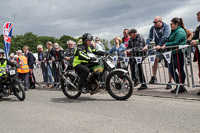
12 85
117 83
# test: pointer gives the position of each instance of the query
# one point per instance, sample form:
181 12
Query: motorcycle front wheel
119 85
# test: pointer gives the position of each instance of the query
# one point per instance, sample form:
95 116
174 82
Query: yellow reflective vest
2 68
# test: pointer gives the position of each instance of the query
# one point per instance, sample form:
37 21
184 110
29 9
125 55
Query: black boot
135 83
168 86
1 94
153 80
181 89
142 87
81 89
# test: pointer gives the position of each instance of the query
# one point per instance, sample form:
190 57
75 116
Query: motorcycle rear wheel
68 90
19 91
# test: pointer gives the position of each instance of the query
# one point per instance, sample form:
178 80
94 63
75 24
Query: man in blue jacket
160 33
31 61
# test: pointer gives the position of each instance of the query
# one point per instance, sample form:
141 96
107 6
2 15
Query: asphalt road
46 111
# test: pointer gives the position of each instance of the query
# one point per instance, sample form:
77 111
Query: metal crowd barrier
55 70
146 59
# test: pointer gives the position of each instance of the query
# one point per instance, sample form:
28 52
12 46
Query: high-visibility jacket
2 66
24 68
81 54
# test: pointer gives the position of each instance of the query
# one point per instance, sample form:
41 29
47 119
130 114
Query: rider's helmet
2 51
87 36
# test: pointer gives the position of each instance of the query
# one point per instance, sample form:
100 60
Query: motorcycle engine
93 86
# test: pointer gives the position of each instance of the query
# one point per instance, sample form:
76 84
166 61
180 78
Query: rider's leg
83 72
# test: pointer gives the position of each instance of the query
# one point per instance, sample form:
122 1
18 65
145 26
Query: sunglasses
96 40
155 22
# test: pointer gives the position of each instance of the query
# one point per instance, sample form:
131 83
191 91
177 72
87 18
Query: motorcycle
118 82
11 84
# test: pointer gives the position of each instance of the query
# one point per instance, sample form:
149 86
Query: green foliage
105 43
31 40
112 43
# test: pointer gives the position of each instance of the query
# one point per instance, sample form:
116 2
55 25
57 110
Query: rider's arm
82 55
97 52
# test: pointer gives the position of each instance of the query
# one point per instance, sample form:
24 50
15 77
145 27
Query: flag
7 34
152 59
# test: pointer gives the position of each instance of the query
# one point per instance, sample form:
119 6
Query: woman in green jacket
177 37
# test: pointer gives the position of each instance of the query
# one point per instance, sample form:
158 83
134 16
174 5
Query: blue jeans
49 75
174 65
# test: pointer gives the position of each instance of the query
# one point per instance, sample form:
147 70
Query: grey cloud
104 18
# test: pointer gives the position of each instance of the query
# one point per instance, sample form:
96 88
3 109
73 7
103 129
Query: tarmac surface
49 111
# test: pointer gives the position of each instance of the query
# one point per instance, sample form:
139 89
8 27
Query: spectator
98 45
15 57
12 59
126 37
69 53
118 49
23 70
135 45
56 44
50 57
195 41
177 37
59 55
43 65
31 61
160 32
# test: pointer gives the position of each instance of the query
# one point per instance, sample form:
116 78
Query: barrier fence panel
49 73
169 58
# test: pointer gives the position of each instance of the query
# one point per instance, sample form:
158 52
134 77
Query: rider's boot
1 94
82 90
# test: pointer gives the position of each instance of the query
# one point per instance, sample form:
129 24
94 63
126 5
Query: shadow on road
79 100
9 99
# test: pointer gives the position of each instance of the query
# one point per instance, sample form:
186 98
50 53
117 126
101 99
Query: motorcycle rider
82 61
3 63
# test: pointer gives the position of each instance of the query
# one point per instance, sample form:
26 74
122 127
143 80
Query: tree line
32 40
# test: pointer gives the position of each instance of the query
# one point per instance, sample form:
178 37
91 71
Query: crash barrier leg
191 70
196 74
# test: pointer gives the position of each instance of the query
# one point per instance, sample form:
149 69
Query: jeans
49 74
174 65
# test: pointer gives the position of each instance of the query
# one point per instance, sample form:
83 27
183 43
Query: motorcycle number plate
111 64
12 72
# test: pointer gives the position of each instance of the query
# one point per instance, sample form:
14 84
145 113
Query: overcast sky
103 18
